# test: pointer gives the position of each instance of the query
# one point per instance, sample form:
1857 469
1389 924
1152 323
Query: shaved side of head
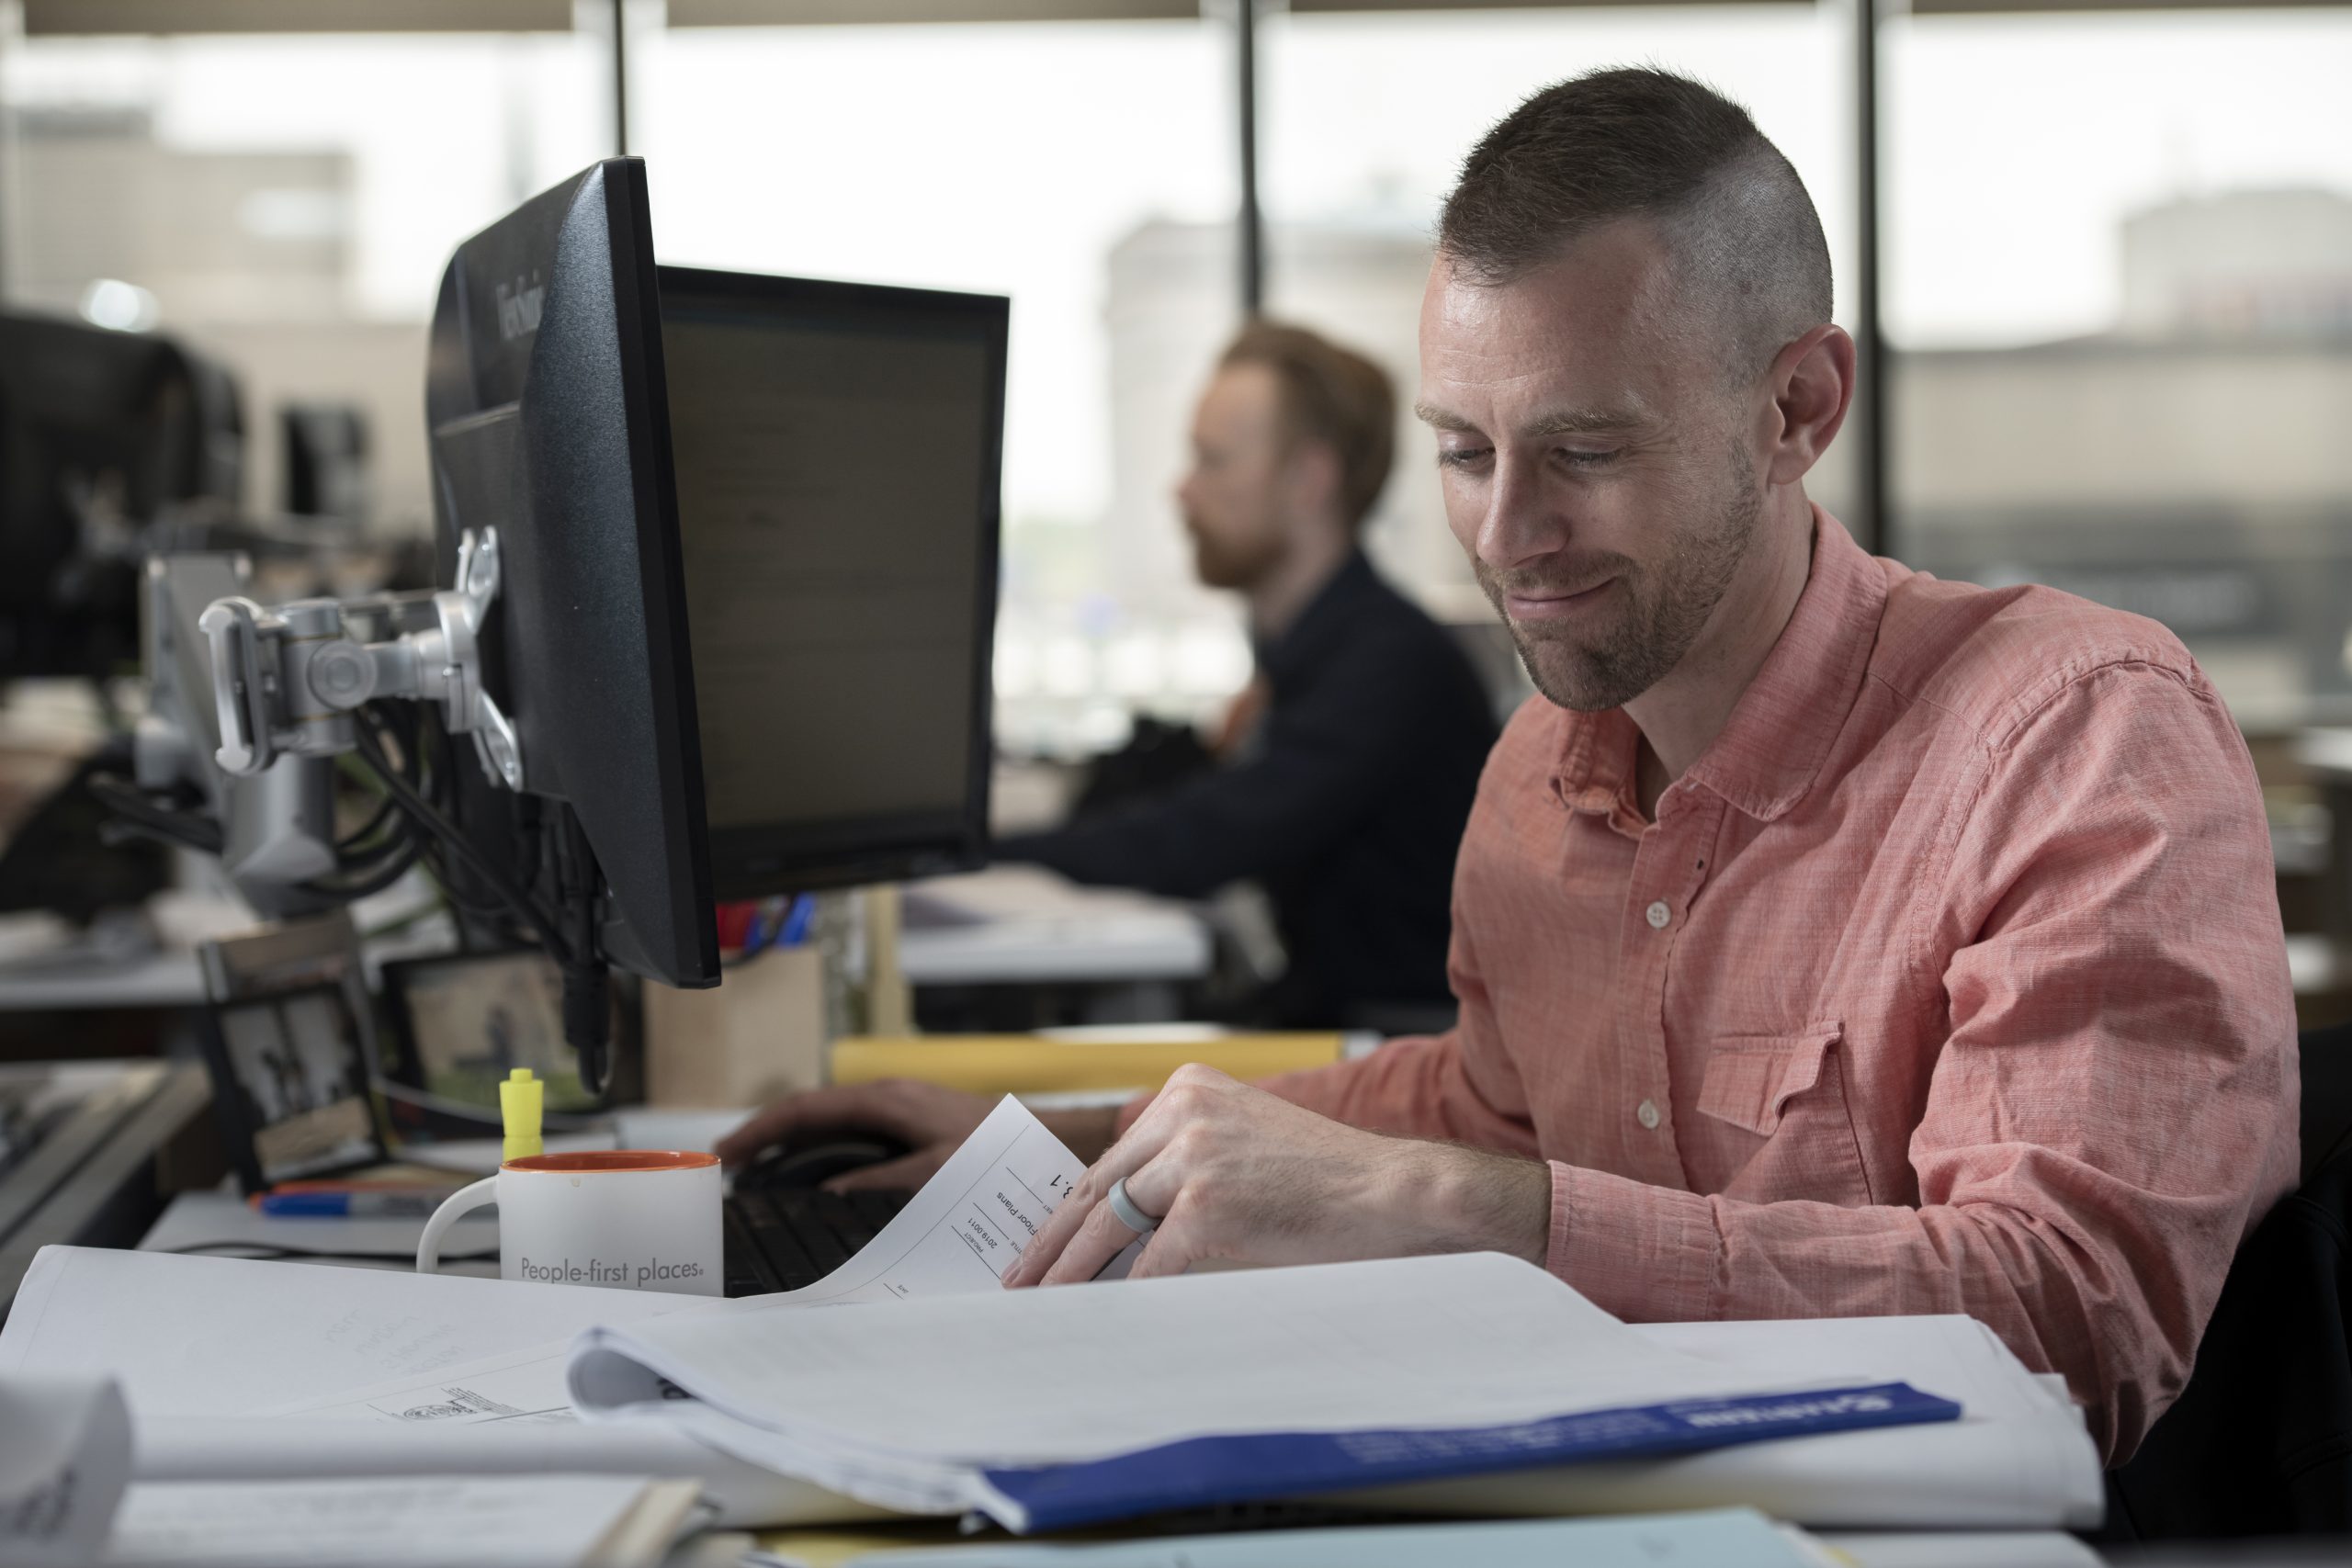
1751 266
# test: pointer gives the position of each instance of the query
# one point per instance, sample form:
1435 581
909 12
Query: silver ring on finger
1124 1207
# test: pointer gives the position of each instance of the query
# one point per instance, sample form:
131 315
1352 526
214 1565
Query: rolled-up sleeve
2113 1107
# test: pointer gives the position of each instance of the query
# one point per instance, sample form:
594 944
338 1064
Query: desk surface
222 1224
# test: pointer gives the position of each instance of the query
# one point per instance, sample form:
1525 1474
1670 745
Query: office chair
2260 1441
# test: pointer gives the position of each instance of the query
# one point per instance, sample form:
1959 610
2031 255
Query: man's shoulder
1389 631
1993 658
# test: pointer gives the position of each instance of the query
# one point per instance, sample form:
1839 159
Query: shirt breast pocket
1783 1099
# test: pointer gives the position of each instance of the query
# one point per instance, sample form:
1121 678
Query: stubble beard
1219 561
1592 669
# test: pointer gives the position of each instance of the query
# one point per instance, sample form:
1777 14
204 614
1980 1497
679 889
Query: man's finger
902 1175
1144 1141
1101 1234
1047 1244
1101 1237
1175 1247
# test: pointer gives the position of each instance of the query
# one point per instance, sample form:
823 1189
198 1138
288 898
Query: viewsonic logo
518 307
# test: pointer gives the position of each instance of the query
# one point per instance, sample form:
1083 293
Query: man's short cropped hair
1332 396
1644 143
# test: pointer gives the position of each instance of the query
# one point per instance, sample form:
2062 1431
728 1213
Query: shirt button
1659 914
1647 1114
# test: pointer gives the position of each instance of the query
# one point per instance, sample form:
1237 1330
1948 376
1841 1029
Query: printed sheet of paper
65 1456
225 1335
957 1237
969 1221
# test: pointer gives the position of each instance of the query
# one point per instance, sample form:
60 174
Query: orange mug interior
612 1159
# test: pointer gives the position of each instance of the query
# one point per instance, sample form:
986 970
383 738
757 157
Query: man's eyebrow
1581 422
1563 422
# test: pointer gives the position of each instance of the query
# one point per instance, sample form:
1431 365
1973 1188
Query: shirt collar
1295 649
1780 732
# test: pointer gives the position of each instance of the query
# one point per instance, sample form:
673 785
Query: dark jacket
1348 809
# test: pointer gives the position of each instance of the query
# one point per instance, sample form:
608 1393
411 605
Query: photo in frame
286 1042
460 1023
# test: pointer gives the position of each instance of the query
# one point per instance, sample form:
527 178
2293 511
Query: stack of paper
543 1521
1049 1408
1730 1537
199 1347
947 1393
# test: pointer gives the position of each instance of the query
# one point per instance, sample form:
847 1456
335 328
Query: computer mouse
813 1158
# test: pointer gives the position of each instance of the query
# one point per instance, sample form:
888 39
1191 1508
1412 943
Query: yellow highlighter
521 1100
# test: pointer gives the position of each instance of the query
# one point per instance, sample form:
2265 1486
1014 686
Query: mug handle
458 1204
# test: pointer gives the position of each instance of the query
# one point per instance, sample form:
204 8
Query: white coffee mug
624 1219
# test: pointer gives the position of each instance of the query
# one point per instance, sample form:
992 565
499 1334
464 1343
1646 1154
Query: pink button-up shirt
1949 978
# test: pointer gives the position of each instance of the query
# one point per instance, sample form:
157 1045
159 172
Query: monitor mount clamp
286 680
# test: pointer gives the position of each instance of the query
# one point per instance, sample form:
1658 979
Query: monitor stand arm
286 680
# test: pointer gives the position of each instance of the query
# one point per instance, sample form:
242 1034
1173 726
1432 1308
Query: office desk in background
92 1178
221 1223
1006 926
1019 925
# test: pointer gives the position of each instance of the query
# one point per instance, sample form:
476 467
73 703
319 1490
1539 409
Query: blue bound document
1206 1472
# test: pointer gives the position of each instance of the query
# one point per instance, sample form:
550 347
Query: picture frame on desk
289 1042
459 1023
289 1085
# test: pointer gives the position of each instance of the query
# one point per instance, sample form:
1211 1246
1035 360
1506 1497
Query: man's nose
1522 520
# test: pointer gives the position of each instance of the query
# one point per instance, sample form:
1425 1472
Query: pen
413 1205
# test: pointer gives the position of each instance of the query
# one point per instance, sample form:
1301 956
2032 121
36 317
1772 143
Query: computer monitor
824 620
103 434
322 468
549 421
838 453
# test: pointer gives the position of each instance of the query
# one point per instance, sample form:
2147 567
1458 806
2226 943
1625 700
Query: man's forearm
1468 1200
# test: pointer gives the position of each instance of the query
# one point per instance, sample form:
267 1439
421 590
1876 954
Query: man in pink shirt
1829 940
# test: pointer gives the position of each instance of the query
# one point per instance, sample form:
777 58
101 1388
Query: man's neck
1680 716
1279 598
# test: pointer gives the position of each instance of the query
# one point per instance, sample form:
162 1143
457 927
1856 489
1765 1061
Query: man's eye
1463 456
1590 459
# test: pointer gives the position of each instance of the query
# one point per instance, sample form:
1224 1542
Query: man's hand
933 1121
1240 1174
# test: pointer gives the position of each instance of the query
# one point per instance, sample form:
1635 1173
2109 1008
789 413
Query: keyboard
787 1237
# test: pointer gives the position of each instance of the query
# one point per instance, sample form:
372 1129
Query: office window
2118 284
1023 159
1366 119
285 204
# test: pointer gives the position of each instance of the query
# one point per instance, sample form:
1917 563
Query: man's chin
1226 571
1574 680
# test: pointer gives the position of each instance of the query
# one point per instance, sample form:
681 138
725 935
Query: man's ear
1811 386
1312 476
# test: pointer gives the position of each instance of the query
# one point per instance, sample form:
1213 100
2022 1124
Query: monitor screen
837 449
